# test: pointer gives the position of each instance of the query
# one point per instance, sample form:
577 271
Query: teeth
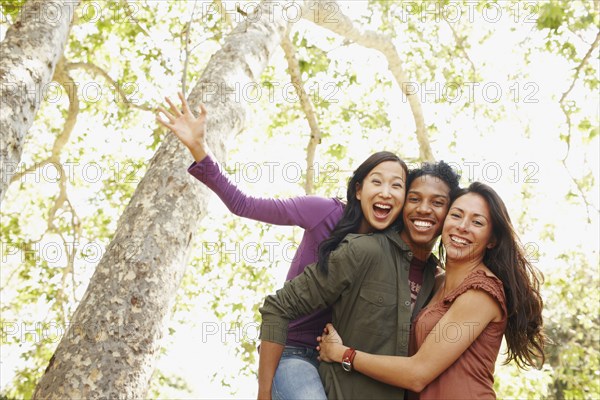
458 240
424 224
383 206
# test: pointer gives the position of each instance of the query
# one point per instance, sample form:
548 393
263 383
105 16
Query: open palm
184 124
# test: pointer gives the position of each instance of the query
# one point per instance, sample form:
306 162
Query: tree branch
29 52
320 12
62 76
307 107
567 113
96 70
30 169
221 7
587 203
580 66
70 267
461 48
186 47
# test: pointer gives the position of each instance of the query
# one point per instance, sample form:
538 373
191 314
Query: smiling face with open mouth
426 207
381 196
467 232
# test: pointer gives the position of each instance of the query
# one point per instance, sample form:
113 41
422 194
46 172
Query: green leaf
551 16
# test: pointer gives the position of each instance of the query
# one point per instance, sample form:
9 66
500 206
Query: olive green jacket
367 285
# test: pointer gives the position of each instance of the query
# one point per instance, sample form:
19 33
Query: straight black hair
353 215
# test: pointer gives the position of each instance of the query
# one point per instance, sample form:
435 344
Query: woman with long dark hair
375 196
490 290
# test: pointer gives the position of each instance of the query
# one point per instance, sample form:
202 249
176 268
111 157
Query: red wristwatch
347 359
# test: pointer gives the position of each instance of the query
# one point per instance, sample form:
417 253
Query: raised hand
189 129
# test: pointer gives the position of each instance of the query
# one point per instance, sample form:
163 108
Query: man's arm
269 356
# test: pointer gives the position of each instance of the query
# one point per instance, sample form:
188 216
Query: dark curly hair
440 170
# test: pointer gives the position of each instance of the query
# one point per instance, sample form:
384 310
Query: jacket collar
394 235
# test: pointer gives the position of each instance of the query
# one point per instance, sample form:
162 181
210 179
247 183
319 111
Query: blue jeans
297 376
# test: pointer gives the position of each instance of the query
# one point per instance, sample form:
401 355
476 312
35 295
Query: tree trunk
28 55
110 348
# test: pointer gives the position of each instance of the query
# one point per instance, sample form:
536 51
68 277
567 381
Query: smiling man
430 189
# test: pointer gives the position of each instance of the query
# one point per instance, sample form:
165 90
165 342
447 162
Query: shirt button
410 254
407 303
380 299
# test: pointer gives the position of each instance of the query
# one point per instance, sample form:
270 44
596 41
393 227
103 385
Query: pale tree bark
111 346
327 13
309 112
28 55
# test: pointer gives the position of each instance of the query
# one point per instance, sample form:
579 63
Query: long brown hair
521 280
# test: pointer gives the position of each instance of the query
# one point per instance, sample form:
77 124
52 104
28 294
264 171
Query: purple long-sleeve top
316 215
